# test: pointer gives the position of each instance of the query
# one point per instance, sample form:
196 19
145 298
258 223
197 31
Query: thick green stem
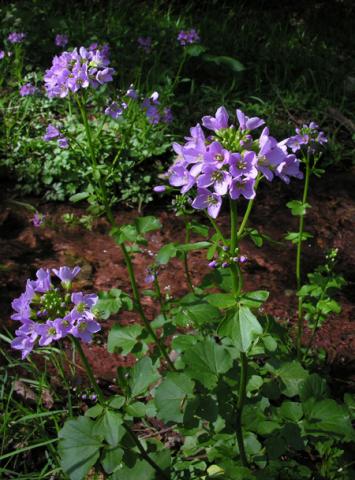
300 322
139 307
237 286
101 400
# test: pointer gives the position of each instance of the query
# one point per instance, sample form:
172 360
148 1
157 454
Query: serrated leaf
242 327
171 396
291 411
79 447
206 361
112 459
143 374
110 427
123 339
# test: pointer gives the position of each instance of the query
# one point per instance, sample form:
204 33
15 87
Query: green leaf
137 409
187 247
109 303
166 253
112 459
110 427
78 197
327 416
123 339
199 312
292 375
140 470
266 427
294 236
221 300
147 224
297 207
291 411
171 396
256 237
232 63
143 374
313 387
94 411
183 342
194 50
242 327
199 228
254 299
79 447
206 361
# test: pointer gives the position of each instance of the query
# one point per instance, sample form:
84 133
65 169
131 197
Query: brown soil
23 249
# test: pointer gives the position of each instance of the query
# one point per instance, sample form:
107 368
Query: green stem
300 321
218 230
101 399
237 286
182 63
145 456
140 308
185 258
249 208
89 371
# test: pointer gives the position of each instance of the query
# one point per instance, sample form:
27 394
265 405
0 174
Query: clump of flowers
53 133
145 44
49 313
228 162
79 69
16 37
188 37
28 89
308 136
61 40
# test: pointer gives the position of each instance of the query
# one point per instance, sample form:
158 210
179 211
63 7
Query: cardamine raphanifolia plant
49 312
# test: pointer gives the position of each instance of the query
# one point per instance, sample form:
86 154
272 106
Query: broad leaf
206 361
292 375
171 396
147 224
232 63
254 299
110 427
242 327
79 447
221 300
123 339
166 253
143 374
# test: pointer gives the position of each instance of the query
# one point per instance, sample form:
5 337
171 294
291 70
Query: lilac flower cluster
28 89
145 44
188 37
38 219
308 136
229 161
48 313
61 40
4 54
16 37
81 68
53 133
151 106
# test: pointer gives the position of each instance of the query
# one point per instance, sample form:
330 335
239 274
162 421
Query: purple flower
159 188
82 300
270 155
213 264
2 54
167 116
49 332
242 186
63 142
296 142
246 123
85 328
27 89
290 167
218 122
24 343
66 274
61 40
308 135
16 37
186 37
21 305
243 164
181 177
76 70
145 43
43 282
132 93
212 175
209 200
51 133
38 219
114 110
